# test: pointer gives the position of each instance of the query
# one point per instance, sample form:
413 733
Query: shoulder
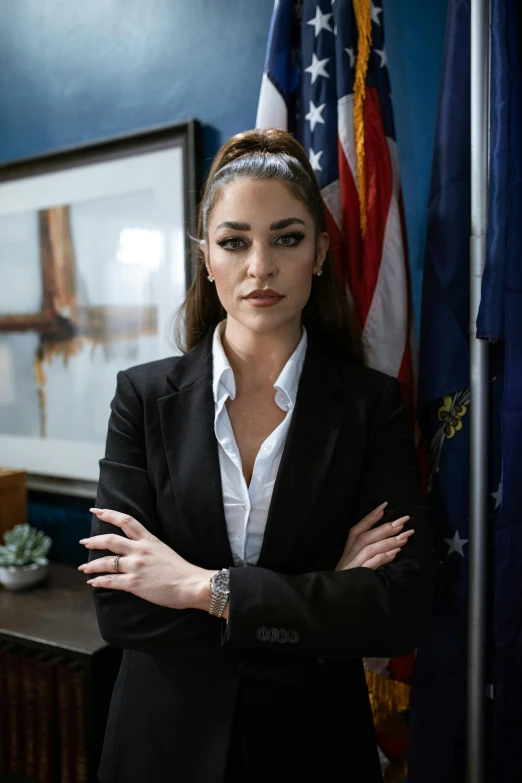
373 386
148 379
331 364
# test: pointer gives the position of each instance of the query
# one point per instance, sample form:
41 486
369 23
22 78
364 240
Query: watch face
220 582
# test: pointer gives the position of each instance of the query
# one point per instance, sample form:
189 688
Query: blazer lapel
187 424
308 450
191 449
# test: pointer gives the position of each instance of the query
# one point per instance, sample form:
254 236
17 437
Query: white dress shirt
246 507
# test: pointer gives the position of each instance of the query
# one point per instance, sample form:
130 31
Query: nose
261 262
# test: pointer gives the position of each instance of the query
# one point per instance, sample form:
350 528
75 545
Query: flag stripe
271 111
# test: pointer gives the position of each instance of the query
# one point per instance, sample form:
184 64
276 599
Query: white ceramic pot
20 577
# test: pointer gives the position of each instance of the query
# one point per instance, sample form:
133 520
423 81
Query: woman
237 576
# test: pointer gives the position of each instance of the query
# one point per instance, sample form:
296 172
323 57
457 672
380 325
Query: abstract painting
94 262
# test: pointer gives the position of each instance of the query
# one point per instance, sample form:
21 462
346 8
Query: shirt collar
224 384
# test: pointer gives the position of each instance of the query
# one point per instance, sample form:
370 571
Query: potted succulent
23 560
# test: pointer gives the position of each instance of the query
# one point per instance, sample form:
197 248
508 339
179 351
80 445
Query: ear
204 249
322 245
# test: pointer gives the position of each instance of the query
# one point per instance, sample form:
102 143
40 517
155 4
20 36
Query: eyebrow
277 226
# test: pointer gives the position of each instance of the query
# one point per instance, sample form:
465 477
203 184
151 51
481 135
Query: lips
264 297
267 293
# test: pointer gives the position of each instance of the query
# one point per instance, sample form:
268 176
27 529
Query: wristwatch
219 591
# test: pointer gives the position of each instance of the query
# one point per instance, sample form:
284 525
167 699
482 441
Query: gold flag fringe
387 698
362 9
386 695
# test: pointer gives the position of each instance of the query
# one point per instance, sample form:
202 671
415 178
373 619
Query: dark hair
267 154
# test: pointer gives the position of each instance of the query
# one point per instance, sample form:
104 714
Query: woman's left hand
147 567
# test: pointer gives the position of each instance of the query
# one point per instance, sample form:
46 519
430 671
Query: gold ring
115 563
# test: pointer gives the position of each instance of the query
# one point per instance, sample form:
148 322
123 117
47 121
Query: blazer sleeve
124 619
359 612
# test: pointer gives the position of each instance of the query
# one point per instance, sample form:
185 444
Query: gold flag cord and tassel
363 18
388 697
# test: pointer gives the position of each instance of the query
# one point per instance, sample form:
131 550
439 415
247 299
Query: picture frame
95 260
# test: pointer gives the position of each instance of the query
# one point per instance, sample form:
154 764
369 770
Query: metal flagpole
476 669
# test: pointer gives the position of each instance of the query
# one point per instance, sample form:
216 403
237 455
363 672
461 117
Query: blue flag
500 316
438 712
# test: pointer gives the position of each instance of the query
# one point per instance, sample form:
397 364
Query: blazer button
263 634
283 636
274 635
293 636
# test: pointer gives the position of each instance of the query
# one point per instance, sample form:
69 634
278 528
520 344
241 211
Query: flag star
382 55
314 159
352 56
456 543
497 496
375 14
317 68
321 21
314 115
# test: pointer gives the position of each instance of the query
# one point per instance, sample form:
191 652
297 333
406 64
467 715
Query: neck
257 358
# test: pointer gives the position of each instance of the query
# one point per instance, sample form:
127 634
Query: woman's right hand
367 548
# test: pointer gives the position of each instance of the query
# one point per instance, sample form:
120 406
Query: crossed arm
161 601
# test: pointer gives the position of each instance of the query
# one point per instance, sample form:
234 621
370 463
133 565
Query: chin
266 320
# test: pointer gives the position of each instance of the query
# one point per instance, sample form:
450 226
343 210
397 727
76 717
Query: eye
226 243
290 240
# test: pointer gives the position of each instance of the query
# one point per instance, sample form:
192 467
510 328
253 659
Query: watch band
219 591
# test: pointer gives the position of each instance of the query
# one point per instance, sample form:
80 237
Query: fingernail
96 510
398 523
404 536
382 506
393 552
82 540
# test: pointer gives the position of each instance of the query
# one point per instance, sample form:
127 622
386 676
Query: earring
209 277
319 273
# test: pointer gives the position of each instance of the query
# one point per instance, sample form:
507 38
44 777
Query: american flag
326 80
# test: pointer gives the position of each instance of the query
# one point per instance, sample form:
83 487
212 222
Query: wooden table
58 616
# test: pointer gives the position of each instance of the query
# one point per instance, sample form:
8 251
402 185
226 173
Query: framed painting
95 259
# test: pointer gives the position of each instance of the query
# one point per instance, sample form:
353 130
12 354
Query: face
262 239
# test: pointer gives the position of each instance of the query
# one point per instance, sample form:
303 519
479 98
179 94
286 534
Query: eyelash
297 235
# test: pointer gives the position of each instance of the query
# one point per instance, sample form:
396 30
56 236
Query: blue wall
72 72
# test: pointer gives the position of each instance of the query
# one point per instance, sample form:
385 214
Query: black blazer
290 656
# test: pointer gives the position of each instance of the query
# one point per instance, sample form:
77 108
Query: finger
372 562
113 582
369 520
111 541
103 565
379 560
373 537
131 527
387 530
381 547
